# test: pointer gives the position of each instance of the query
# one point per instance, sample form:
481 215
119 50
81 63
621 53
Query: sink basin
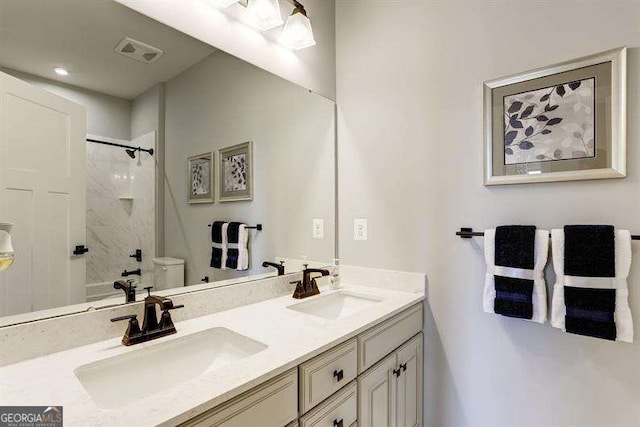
121 380
336 305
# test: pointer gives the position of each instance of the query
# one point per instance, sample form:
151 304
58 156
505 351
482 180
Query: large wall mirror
131 151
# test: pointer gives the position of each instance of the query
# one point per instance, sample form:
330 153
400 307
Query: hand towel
590 296
219 244
237 240
514 283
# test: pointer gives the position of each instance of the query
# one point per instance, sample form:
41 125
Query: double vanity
351 356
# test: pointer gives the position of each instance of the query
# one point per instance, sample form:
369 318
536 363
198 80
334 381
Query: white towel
622 314
240 245
243 250
539 296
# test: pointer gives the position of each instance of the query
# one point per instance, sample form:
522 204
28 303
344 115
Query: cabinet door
408 398
376 391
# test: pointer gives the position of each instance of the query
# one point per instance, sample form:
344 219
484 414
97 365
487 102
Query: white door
376 391
409 384
42 191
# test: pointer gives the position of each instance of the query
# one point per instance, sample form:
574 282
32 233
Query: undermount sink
336 305
121 380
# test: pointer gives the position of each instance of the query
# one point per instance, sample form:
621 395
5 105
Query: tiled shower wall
120 215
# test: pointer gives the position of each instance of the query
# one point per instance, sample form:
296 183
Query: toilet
168 272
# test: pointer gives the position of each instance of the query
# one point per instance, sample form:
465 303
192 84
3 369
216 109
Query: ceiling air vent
137 50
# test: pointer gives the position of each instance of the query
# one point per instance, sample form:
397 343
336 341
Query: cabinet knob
338 375
404 367
397 372
338 423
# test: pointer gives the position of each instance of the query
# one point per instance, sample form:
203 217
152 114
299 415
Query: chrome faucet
151 328
308 286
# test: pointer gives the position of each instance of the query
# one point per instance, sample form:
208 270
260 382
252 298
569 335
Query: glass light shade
265 14
222 3
297 33
6 248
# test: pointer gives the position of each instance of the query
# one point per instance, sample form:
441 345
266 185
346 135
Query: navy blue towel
515 248
216 237
589 251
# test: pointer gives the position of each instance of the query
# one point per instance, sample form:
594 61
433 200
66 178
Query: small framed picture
201 168
564 122
235 173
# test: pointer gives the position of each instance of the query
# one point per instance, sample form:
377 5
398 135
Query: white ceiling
36 35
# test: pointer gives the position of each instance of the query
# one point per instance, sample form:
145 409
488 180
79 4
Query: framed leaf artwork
201 175
235 168
564 122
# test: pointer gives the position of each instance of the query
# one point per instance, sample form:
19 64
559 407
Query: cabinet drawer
272 404
327 373
340 409
381 340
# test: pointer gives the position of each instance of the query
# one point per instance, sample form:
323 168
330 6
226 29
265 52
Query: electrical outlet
360 229
318 228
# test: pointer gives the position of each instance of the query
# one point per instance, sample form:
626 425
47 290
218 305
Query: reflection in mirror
133 153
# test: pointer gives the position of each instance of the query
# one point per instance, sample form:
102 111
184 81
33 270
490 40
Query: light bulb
265 14
297 33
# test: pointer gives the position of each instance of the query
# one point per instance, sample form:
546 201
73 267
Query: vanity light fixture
6 248
265 14
297 33
61 71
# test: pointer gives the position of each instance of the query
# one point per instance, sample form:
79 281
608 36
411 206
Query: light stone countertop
291 336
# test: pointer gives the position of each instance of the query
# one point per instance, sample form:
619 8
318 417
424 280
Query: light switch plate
318 228
360 229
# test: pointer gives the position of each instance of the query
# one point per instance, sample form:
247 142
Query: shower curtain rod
113 144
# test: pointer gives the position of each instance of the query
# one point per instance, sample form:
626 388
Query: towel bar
467 233
251 227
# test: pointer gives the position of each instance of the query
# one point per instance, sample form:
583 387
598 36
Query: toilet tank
168 272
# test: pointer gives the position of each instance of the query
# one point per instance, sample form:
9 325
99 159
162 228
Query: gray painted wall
409 90
107 115
147 114
224 101
146 110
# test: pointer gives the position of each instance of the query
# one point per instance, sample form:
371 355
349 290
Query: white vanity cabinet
372 380
390 393
409 385
272 404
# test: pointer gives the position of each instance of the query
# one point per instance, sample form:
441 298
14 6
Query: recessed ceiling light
61 71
